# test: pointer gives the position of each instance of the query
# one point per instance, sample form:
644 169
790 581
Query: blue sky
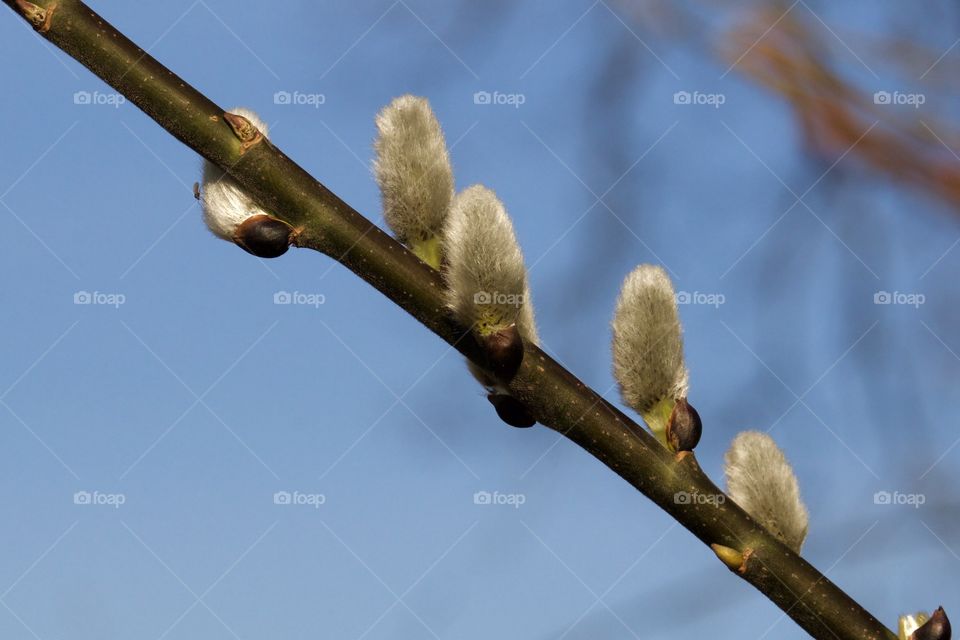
185 393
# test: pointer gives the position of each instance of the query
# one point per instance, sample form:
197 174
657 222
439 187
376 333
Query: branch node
733 559
295 234
38 17
248 134
747 554
728 556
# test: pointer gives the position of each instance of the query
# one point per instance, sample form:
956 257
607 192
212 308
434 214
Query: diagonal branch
555 397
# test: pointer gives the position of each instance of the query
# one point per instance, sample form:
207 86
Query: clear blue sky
197 399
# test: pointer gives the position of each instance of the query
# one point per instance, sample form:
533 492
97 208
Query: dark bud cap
504 352
936 628
511 410
263 236
684 427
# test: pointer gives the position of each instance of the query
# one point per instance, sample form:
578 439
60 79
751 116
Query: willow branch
554 396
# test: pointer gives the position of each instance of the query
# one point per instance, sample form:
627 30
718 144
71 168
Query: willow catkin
762 482
412 168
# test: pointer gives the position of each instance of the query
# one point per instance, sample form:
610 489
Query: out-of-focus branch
786 49
834 113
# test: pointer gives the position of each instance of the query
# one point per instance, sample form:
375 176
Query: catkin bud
729 556
762 482
648 348
487 290
231 214
486 280
413 170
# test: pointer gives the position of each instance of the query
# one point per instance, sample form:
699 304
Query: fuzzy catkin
486 280
647 343
225 204
412 168
762 482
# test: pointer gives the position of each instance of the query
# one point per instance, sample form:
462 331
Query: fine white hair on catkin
762 482
413 169
907 624
225 204
647 343
486 280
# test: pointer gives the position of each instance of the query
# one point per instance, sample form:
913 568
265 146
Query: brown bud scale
684 427
36 15
936 628
504 352
248 134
